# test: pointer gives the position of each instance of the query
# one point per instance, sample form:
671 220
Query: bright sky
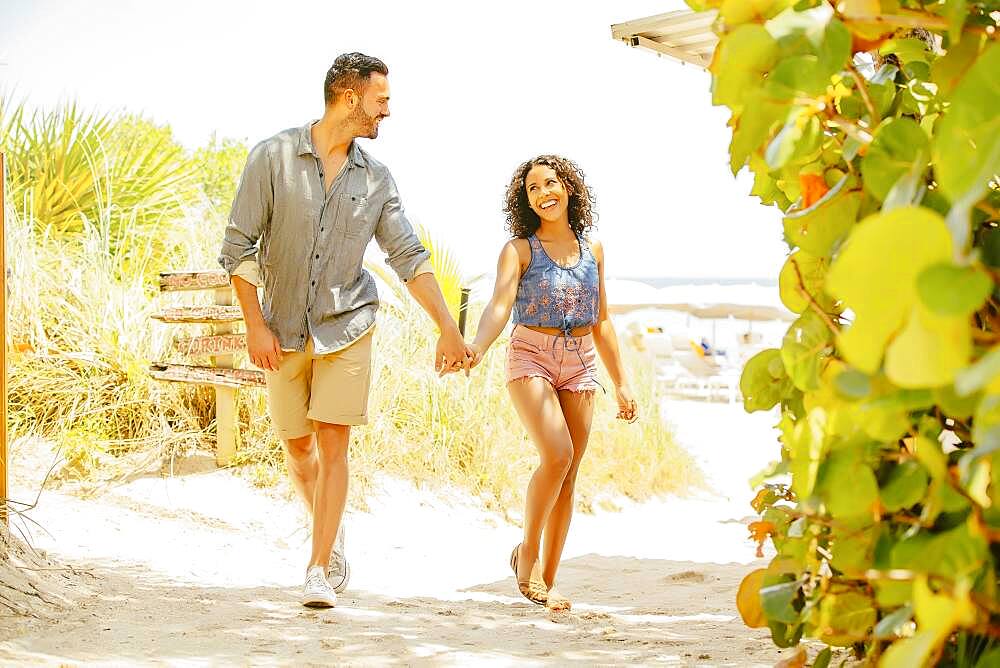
477 88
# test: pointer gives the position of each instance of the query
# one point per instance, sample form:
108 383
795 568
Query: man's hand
450 352
263 348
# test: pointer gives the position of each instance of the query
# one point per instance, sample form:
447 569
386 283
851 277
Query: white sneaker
317 592
338 572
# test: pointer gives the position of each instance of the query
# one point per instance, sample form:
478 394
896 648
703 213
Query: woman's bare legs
538 406
578 413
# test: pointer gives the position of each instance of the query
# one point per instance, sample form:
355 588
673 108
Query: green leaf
823 659
907 50
905 486
956 12
849 487
930 351
954 405
798 140
821 227
948 70
836 47
853 548
807 449
910 652
878 282
785 635
889 626
753 127
737 12
812 271
845 618
853 384
804 349
742 59
990 659
899 147
980 374
798 76
776 599
952 554
950 290
764 382
929 454
986 425
966 149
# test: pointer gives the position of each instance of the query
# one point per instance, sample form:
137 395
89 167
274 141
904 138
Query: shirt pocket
355 217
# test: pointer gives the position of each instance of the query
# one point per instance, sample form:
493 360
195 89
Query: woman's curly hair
522 222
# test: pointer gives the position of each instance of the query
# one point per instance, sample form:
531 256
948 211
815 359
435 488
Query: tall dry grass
81 338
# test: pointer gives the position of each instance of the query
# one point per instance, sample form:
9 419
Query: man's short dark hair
351 70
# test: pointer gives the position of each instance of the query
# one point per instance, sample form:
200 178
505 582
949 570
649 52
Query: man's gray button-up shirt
310 244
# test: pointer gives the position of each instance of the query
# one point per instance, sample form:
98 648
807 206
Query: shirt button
317 257
314 282
321 229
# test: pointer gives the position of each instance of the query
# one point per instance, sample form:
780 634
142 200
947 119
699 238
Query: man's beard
365 125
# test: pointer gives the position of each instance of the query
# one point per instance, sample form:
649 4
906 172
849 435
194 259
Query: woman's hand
477 354
627 408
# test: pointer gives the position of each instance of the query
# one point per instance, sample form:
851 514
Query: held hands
263 348
627 408
451 354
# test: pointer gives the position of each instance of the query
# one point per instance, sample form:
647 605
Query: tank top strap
536 245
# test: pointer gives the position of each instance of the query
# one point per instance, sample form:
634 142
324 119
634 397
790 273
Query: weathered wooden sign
220 346
178 281
208 346
200 314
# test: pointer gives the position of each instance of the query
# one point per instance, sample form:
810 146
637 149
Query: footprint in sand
685 576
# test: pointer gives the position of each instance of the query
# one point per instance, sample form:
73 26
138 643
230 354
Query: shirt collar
355 156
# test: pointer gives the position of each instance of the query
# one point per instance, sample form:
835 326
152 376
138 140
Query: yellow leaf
876 277
748 599
866 8
930 350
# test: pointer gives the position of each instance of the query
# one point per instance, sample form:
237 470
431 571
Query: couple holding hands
309 201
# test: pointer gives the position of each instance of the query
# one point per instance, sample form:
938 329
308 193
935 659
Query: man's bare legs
578 412
331 488
537 404
303 459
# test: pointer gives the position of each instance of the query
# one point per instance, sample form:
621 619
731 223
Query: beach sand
203 569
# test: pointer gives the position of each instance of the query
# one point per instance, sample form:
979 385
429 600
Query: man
309 202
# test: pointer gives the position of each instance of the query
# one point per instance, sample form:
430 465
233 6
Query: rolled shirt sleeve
249 271
251 212
395 236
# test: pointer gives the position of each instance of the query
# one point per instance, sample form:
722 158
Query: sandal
534 591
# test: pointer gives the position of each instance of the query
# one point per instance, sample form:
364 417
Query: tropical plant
874 125
218 167
67 163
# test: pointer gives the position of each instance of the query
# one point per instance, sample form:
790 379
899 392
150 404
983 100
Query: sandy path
202 569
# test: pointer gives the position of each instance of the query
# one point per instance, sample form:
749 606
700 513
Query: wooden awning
684 35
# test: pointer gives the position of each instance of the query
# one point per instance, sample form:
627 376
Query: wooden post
4 468
225 397
463 307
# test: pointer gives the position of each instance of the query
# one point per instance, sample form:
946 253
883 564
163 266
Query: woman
552 276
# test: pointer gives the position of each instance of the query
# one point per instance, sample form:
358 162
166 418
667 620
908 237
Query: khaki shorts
331 388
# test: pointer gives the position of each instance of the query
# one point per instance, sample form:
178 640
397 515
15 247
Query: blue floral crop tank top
550 295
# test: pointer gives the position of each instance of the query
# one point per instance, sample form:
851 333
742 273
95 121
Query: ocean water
666 281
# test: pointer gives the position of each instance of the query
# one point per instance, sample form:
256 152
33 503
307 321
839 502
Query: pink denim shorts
566 362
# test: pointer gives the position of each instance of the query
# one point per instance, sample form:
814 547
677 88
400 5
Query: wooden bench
219 347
